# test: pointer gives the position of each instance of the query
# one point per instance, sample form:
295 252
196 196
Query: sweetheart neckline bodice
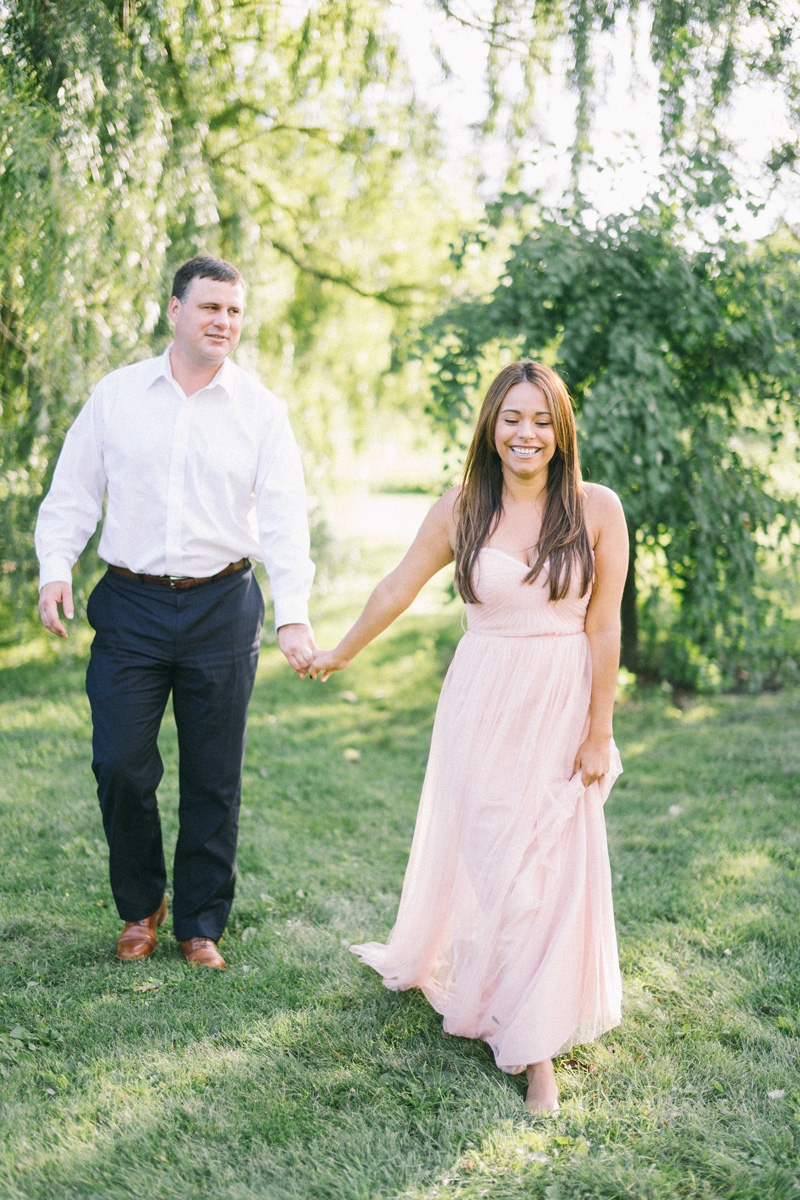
510 606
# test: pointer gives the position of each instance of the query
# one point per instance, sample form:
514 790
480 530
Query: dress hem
432 995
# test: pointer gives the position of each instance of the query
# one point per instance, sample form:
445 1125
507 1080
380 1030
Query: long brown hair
563 540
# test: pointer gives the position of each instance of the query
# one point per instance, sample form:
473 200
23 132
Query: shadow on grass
295 1074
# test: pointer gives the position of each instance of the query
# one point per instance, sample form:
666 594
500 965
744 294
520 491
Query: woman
506 919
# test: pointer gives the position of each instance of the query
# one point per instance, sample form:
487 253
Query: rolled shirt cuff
55 570
291 610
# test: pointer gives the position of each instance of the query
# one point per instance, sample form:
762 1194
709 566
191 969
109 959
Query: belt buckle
174 581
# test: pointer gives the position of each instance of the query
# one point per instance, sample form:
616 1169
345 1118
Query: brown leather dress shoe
202 952
138 938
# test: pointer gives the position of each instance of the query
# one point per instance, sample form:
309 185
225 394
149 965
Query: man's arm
284 538
69 514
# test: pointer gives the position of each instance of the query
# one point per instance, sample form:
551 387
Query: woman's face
524 436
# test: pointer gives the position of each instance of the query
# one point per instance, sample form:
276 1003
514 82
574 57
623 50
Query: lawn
295 1075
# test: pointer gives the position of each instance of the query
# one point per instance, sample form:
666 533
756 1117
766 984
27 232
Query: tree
703 52
678 346
676 358
72 225
139 133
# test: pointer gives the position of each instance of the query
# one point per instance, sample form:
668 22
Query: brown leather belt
181 583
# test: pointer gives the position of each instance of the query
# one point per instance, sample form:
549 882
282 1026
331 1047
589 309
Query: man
201 473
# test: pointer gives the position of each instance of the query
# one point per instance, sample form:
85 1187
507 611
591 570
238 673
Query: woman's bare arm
429 552
608 530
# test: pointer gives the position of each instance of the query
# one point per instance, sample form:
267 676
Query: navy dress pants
202 646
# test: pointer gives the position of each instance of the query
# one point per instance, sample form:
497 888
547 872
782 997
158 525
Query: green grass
295 1074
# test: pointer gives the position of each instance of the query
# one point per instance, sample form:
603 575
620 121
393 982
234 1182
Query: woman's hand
593 759
325 662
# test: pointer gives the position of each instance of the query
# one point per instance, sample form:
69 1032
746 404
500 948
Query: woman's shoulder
447 504
602 508
446 508
598 498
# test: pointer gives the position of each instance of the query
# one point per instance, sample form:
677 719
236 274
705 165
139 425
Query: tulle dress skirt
506 920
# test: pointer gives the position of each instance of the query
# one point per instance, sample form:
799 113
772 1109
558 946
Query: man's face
208 321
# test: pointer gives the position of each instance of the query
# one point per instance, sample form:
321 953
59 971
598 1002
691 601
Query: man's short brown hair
204 266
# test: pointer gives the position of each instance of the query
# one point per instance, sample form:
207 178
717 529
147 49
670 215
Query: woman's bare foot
542 1093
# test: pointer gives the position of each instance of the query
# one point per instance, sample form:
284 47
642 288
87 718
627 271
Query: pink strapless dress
506 920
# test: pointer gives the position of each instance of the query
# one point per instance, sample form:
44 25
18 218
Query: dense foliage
702 52
289 137
684 367
138 133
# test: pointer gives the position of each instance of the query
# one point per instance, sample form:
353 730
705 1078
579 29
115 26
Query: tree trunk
629 654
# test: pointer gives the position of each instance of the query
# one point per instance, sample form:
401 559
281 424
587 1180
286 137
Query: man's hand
50 596
297 644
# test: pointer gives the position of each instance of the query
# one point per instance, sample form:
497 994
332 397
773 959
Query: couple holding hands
506 919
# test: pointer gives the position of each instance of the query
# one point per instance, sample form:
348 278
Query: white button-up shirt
194 483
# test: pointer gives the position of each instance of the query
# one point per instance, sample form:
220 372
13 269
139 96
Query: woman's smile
524 436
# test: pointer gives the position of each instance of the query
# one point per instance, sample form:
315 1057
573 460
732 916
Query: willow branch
8 336
391 296
228 115
488 29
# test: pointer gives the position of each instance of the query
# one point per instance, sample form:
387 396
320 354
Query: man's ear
173 308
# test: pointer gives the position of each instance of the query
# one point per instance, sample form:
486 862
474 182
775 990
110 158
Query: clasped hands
300 651
306 659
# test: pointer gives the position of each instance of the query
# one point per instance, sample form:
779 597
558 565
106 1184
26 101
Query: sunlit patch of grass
295 1075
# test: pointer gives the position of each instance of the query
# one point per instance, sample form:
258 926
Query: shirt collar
223 377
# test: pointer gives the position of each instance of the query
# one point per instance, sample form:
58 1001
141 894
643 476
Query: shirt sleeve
281 509
72 508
